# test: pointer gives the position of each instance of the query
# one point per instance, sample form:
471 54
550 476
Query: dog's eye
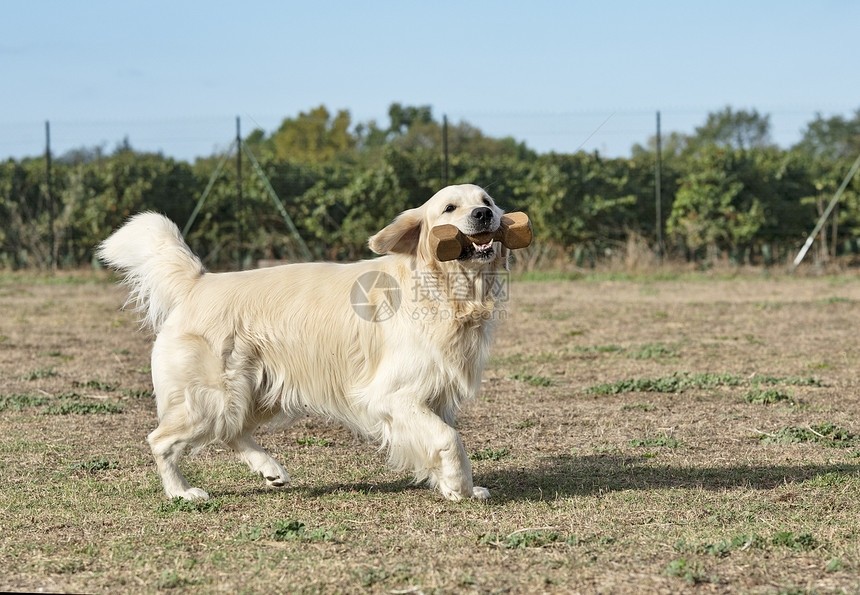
450 208
486 202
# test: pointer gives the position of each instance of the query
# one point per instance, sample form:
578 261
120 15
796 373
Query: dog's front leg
420 439
455 473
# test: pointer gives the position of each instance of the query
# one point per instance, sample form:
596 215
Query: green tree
340 217
107 192
673 145
314 136
405 117
831 138
716 208
734 130
579 199
25 233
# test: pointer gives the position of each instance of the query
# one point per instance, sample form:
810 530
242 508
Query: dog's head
468 207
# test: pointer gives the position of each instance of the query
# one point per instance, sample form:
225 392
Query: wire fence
58 221
611 132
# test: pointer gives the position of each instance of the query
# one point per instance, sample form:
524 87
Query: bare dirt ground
636 436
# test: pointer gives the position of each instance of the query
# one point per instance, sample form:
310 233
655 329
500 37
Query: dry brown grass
621 493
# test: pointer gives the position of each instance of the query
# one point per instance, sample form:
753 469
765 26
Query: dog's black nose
482 214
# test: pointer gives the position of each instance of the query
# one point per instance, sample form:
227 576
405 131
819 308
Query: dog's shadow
362 488
569 475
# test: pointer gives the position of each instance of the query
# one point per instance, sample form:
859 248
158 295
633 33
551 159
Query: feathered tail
157 264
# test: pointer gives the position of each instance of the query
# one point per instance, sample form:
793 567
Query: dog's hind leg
190 395
259 460
168 442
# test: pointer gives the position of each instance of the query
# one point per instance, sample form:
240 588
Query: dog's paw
450 494
480 493
274 474
190 494
278 480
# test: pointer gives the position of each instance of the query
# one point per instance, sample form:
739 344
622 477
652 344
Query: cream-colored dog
389 347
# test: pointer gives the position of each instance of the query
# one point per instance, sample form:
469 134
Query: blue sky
172 76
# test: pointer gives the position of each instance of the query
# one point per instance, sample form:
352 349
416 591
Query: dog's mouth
481 248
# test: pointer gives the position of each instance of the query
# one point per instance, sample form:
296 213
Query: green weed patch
535 538
39 373
137 393
639 406
68 407
651 351
175 505
830 479
598 349
287 531
676 383
532 379
645 351
172 580
314 441
63 404
96 384
684 381
687 570
296 531
799 542
827 434
17 402
767 396
835 300
663 440
491 454
787 380
95 465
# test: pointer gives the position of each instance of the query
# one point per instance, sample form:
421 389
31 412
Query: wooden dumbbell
448 242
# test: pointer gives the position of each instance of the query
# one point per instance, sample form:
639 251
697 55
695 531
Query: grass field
644 435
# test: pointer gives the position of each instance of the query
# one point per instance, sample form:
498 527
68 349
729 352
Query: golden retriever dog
389 347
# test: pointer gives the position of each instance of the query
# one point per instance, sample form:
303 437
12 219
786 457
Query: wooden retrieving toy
514 232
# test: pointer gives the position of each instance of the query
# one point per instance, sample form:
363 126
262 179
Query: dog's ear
401 236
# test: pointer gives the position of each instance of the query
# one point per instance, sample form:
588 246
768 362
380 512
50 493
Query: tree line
727 191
